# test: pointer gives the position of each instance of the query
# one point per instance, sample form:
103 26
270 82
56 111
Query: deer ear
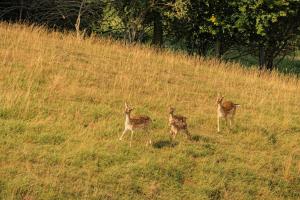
126 106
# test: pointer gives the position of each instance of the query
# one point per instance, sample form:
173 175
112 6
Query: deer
226 110
177 123
133 123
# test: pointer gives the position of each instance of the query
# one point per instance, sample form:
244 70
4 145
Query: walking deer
133 123
226 110
177 123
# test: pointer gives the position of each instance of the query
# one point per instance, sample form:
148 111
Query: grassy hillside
61 113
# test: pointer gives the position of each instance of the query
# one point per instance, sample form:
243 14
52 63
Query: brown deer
134 122
226 110
177 123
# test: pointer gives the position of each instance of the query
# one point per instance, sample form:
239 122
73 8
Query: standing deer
226 110
135 122
177 123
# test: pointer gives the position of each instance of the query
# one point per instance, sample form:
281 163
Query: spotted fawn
226 110
135 122
177 123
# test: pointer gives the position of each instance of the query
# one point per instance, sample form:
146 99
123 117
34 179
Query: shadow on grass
198 138
237 129
164 143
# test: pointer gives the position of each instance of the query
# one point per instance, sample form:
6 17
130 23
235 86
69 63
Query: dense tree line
266 29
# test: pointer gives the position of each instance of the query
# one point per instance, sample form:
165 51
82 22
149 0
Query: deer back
140 121
179 124
228 106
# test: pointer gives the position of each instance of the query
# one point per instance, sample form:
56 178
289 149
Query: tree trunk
157 39
202 51
21 10
219 48
270 65
261 57
131 33
78 20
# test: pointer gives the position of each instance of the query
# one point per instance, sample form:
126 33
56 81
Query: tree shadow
164 143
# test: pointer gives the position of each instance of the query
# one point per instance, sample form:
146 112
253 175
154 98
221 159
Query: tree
268 28
61 14
205 25
132 14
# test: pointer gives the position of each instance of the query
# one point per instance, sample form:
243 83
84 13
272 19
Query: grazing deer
177 123
226 110
134 122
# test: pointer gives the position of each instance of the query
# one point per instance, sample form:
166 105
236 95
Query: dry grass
61 112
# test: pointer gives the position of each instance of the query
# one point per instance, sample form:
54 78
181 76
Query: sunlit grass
61 113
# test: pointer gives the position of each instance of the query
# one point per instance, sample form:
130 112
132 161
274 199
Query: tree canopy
265 29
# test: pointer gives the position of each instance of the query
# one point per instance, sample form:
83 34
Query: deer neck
170 118
220 110
127 118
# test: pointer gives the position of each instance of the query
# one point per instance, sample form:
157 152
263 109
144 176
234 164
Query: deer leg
149 138
123 134
171 134
131 137
188 134
174 135
150 141
230 121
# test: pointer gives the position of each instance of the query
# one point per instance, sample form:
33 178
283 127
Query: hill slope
61 113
